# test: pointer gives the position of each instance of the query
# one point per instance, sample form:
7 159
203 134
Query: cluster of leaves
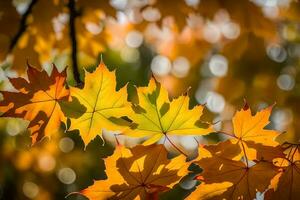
42 35
83 27
248 162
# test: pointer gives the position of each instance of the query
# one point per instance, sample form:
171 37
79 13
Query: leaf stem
228 134
117 141
245 155
292 156
179 150
196 141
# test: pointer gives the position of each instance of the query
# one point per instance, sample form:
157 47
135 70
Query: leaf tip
186 93
272 106
246 105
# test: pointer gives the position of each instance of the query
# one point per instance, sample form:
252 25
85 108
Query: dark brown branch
23 25
72 28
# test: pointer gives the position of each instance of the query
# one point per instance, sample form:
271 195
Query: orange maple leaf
249 130
138 173
37 101
225 178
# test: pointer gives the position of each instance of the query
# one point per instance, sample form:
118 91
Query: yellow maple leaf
156 116
101 105
138 173
37 101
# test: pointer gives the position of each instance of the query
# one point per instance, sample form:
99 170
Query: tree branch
72 28
23 25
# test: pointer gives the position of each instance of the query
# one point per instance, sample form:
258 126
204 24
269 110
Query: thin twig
228 134
196 141
23 25
117 141
73 15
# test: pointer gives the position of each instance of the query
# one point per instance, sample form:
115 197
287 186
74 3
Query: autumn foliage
161 118
248 162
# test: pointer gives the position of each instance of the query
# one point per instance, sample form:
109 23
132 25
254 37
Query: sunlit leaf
139 173
37 100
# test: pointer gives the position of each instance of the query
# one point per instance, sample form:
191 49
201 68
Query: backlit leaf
37 100
138 173
103 105
156 116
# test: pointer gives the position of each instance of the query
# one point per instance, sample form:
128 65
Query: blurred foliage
225 50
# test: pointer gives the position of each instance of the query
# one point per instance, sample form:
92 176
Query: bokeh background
225 51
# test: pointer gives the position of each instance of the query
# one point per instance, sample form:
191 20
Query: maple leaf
225 178
155 116
267 153
101 105
37 101
249 130
138 173
286 185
